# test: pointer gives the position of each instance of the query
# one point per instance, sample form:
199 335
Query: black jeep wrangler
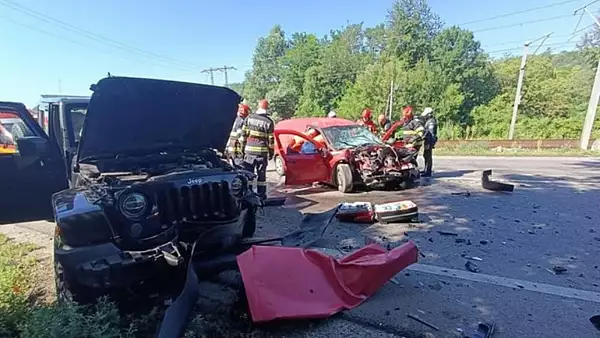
145 182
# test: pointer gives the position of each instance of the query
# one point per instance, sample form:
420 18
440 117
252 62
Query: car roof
321 122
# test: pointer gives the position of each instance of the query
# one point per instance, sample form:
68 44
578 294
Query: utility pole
590 116
513 121
391 100
223 69
518 96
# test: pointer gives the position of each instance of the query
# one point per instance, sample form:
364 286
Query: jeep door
302 168
27 183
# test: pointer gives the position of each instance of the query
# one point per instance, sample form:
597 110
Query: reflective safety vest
412 133
234 147
257 135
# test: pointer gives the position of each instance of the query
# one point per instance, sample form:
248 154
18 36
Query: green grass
479 149
22 316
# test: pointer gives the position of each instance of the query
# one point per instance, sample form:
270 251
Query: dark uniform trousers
258 143
430 141
428 157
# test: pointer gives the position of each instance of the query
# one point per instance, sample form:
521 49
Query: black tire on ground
249 223
279 166
69 291
343 175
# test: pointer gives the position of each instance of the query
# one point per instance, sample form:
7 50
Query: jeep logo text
194 181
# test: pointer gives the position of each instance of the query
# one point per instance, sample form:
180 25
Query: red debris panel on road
296 283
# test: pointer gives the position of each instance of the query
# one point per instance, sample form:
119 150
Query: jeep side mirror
32 146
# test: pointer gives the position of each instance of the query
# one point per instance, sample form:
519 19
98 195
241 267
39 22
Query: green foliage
430 66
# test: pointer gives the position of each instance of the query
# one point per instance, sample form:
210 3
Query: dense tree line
431 65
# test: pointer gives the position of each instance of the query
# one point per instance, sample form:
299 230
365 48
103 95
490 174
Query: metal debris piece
474 258
484 331
493 185
471 266
595 320
411 316
447 233
464 193
558 270
274 201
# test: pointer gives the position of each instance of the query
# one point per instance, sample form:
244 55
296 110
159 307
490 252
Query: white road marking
508 282
493 280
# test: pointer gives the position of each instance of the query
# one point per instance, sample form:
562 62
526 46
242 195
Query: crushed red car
346 155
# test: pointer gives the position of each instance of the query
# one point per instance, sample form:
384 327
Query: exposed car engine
375 161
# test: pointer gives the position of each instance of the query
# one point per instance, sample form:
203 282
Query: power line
522 23
223 69
93 36
518 12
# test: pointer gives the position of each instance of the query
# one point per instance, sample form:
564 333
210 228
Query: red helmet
263 104
243 110
366 114
407 112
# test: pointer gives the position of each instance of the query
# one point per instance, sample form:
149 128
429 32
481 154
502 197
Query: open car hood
131 113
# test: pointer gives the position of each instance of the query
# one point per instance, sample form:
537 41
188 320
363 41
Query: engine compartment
379 164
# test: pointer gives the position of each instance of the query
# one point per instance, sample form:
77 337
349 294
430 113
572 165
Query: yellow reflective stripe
257 148
261 183
410 132
255 133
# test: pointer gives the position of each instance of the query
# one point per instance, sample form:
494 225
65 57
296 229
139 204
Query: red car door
302 168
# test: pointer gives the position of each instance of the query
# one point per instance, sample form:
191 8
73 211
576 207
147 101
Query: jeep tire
343 177
69 291
249 222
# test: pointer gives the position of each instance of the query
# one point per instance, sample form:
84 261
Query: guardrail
526 144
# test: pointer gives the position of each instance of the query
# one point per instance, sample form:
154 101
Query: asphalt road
550 220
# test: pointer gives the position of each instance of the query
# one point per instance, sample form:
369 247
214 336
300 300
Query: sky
64 46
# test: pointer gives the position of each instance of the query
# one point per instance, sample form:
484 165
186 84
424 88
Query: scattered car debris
396 212
558 270
474 258
493 185
472 266
361 212
312 228
274 201
484 242
415 317
447 233
463 193
484 331
460 240
595 320
295 283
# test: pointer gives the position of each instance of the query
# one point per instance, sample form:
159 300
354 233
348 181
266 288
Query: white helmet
427 112
332 114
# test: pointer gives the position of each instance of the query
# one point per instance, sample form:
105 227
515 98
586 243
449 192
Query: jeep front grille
197 203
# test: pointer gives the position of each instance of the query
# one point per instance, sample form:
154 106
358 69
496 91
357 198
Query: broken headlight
134 205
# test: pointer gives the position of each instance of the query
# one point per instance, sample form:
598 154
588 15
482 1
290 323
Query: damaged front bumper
405 173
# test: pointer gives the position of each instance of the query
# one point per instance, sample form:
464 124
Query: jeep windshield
348 137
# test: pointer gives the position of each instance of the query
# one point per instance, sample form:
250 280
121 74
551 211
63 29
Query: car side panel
301 168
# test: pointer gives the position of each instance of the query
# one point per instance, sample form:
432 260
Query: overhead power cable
518 12
93 36
522 23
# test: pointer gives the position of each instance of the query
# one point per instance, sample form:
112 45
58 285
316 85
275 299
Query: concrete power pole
223 69
590 116
513 121
518 96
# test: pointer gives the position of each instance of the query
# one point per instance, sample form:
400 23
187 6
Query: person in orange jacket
297 142
367 121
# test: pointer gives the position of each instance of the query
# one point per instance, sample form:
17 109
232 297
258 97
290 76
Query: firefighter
412 130
430 123
234 148
367 120
258 145
384 123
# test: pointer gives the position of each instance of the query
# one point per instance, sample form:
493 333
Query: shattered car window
344 137
77 113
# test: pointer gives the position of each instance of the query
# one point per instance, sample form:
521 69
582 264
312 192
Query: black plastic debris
464 193
493 185
483 331
274 201
595 320
312 228
558 270
447 233
471 266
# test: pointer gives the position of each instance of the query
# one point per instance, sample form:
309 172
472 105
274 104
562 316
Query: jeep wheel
279 166
249 223
69 291
343 175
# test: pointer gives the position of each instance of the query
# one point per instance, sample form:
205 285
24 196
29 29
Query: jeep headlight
133 205
237 186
